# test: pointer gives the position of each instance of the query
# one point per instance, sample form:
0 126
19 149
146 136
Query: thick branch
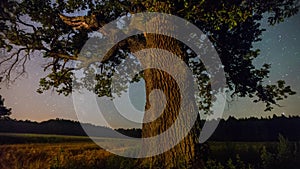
81 22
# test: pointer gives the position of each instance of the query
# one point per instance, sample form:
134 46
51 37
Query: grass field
36 151
58 155
58 151
14 138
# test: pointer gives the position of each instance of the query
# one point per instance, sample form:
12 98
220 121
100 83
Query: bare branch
65 56
17 60
26 24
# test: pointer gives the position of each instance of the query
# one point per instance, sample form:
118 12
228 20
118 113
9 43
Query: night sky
280 47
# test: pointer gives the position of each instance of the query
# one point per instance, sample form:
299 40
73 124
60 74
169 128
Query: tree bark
183 154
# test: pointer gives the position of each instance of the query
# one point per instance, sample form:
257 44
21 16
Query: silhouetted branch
15 60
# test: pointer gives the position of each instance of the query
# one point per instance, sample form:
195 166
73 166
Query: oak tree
59 31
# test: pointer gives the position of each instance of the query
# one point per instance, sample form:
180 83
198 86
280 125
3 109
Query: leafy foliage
36 25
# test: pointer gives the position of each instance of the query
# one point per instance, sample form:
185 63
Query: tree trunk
183 154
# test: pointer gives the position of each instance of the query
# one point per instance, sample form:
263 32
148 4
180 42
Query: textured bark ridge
183 154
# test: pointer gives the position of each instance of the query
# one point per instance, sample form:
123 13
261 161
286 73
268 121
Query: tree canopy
37 25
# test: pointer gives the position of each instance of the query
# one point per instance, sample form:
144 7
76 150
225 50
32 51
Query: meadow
34 151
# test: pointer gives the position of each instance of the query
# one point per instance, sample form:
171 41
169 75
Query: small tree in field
4 111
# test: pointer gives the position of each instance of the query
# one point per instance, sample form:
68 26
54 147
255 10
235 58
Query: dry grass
88 155
62 155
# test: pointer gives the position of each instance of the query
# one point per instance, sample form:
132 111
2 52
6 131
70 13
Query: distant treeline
254 129
54 126
232 129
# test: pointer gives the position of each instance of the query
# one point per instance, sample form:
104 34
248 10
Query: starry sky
280 47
